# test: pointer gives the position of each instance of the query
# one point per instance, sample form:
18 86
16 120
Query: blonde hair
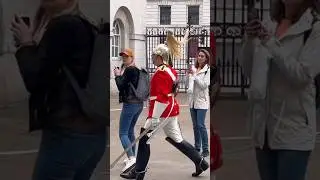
173 45
277 10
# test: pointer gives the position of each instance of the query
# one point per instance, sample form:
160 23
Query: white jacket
288 111
198 90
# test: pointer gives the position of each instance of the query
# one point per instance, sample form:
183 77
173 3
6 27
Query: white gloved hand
155 122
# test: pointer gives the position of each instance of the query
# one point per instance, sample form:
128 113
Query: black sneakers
130 173
205 153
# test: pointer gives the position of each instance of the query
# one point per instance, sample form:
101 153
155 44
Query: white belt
155 97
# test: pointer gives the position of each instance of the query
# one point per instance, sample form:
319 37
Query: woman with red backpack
214 90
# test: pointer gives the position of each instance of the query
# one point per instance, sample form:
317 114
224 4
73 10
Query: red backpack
216 159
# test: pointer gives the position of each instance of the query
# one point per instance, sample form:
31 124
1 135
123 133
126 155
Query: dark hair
277 10
208 57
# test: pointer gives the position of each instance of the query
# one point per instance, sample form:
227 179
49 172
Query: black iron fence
198 38
228 18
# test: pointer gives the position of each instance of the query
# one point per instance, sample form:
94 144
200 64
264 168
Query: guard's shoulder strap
169 71
164 68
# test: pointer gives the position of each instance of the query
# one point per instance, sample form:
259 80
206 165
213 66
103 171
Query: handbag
216 152
214 88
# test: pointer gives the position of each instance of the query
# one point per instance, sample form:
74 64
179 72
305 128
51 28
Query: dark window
165 15
252 2
193 15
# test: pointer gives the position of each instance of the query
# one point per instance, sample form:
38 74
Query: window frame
189 16
162 22
116 36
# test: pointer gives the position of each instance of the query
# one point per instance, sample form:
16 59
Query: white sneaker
125 161
129 163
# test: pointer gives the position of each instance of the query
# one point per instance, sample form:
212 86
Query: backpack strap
173 77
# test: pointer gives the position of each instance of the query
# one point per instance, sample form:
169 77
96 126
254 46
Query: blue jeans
282 164
68 156
198 117
128 119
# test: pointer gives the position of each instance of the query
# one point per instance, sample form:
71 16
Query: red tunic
161 90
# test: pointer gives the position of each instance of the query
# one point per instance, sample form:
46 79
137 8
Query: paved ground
166 162
18 147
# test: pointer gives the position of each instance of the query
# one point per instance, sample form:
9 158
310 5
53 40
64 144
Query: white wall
179 11
136 8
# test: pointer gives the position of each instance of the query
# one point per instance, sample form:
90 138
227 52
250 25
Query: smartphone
26 20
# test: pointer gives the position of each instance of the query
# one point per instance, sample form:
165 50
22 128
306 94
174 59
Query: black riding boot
140 175
188 150
142 160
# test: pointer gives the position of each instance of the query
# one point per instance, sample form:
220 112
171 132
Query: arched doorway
118 40
122 37
123 30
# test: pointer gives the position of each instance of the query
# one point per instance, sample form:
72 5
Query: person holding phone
71 144
214 87
132 106
198 91
283 54
216 153
26 21
25 27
